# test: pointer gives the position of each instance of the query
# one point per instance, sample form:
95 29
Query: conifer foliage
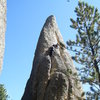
86 47
3 93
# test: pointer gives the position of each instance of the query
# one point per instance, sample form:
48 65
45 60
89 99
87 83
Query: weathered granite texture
53 75
2 29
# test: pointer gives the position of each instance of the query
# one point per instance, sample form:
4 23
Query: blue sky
25 19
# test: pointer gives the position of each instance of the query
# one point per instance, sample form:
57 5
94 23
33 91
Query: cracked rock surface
53 73
2 29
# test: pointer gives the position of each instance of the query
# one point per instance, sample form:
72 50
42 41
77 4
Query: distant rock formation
53 75
2 29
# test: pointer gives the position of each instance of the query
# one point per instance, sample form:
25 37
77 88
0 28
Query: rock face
2 29
53 75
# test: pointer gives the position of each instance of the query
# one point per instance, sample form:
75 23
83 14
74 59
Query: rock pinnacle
53 73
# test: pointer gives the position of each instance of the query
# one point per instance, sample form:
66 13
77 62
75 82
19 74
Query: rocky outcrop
2 29
53 75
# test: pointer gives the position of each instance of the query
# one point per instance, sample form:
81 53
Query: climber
56 46
51 49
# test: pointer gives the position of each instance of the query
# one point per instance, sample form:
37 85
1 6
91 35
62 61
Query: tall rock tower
53 75
2 29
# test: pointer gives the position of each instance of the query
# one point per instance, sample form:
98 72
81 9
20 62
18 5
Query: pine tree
3 93
86 47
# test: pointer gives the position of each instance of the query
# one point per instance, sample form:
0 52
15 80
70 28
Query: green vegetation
86 47
3 93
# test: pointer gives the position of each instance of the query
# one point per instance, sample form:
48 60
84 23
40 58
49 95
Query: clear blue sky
25 19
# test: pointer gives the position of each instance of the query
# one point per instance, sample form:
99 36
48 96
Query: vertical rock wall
2 30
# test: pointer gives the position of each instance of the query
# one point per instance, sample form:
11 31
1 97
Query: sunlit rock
53 75
2 30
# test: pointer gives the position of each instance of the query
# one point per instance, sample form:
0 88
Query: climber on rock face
51 49
56 46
